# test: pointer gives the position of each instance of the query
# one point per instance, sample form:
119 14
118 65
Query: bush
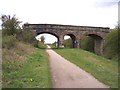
85 41
112 45
9 41
10 25
41 45
27 36
11 31
68 43
35 43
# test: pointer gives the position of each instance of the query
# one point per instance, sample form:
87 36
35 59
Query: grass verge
103 69
25 67
41 45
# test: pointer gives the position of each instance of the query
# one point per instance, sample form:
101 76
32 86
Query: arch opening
98 43
87 43
69 41
95 36
49 39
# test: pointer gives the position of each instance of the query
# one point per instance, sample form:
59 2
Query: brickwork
75 32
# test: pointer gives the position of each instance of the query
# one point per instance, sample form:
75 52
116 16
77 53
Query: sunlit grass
103 69
25 67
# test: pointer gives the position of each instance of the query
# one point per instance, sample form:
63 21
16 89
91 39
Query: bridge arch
98 42
50 34
73 38
58 30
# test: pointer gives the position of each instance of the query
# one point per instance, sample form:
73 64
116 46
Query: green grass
53 46
103 69
30 73
41 45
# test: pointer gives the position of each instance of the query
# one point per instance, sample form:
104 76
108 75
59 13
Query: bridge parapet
66 27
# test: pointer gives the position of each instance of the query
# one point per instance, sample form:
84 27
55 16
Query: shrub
35 43
112 45
41 45
27 36
68 43
85 41
10 25
9 41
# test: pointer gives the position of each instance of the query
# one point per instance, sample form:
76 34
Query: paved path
67 75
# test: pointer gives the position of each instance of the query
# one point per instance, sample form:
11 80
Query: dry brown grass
17 53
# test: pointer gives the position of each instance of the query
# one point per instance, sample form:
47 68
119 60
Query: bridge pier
61 42
76 43
99 45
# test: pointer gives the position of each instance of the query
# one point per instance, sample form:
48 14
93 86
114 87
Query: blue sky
101 13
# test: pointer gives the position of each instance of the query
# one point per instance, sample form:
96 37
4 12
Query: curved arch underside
48 33
53 34
73 38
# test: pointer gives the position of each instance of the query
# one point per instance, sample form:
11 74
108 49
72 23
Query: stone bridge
75 32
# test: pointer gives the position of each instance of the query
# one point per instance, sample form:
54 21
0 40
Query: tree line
12 33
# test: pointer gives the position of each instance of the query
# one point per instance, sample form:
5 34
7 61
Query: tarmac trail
67 75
